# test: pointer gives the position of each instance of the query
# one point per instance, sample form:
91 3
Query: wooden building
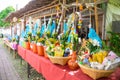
38 9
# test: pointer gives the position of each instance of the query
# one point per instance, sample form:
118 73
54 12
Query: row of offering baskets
98 63
95 62
54 53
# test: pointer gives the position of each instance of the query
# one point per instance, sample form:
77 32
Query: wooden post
11 28
96 18
24 22
63 14
64 11
20 27
103 27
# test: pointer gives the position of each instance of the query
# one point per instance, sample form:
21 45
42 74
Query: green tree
3 14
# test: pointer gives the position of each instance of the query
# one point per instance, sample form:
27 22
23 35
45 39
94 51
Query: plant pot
74 56
45 54
23 44
31 46
40 50
34 47
27 45
72 63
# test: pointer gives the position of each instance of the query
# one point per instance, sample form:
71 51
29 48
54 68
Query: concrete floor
7 70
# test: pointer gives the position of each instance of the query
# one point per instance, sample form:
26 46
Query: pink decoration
15 46
111 56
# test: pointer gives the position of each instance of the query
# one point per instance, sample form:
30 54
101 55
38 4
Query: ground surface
12 69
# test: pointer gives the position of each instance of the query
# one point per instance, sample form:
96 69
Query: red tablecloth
56 72
33 59
22 52
51 71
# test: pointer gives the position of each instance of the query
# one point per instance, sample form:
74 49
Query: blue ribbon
65 27
34 31
53 26
42 30
93 35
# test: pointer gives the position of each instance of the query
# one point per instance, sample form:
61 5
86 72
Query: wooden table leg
28 70
20 60
15 54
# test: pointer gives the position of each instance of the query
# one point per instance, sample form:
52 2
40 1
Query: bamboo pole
43 7
46 15
63 15
96 18
41 10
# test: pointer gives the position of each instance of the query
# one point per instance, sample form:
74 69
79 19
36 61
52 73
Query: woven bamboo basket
94 73
59 60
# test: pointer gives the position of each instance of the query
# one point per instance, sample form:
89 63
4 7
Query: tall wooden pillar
21 22
11 28
96 18
63 10
63 15
24 22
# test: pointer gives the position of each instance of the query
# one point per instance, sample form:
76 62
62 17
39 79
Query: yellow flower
52 40
73 17
40 39
37 37
72 32
80 21
72 28
79 27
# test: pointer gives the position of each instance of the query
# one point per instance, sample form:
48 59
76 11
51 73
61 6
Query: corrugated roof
35 4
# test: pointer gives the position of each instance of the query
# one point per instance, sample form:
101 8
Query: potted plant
40 47
33 45
27 43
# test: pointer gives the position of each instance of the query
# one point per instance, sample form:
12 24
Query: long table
52 71
11 48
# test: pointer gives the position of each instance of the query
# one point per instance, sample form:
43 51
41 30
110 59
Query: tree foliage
3 14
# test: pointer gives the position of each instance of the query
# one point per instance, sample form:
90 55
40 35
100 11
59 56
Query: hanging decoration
80 20
30 23
53 27
34 30
70 24
49 24
45 25
57 15
65 27
92 34
80 7
42 30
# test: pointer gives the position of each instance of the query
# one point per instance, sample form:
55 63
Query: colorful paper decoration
65 27
93 35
